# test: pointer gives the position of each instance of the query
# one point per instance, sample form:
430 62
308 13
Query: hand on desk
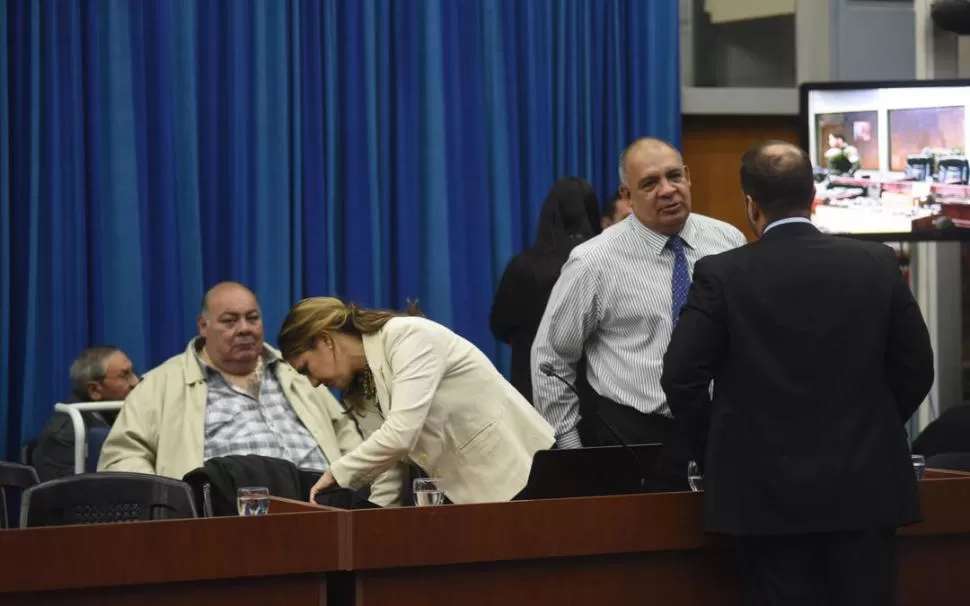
326 481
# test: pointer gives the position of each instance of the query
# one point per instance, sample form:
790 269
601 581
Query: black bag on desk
343 498
216 482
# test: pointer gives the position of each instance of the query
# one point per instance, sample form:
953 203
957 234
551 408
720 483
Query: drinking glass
427 492
919 466
252 501
694 477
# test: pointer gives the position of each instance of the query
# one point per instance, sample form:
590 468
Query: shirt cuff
570 439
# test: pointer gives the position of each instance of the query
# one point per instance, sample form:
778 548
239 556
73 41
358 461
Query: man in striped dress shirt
616 303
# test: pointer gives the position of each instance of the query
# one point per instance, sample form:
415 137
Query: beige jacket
449 410
160 429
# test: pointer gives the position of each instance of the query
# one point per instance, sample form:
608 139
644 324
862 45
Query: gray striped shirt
613 300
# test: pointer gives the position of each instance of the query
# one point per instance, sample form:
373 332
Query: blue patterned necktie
680 281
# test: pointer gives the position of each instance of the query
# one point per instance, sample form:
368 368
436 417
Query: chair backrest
95 439
17 477
955 461
98 498
27 451
75 412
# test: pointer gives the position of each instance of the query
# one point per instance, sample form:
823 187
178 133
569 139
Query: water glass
427 491
694 477
919 466
252 501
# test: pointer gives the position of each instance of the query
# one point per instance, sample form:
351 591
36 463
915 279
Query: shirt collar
270 357
657 241
785 222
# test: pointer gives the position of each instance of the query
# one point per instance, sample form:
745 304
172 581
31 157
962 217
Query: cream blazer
448 409
160 429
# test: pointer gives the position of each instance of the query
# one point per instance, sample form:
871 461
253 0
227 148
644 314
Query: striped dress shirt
613 301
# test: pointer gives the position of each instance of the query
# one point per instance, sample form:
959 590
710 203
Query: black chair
27 451
954 461
100 498
95 442
16 477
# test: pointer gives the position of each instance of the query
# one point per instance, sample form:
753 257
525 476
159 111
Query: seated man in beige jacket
231 394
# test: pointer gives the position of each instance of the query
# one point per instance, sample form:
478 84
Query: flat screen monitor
890 158
594 472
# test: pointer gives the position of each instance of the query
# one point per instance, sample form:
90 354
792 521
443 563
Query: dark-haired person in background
616 210
102 373
818 354
569 216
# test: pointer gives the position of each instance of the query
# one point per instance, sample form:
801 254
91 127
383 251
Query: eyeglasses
125 375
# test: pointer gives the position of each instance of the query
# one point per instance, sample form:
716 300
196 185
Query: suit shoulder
867 248
172 367
57 423
171 371
875 248
400 326
718 262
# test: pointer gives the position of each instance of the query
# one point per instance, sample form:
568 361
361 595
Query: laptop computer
596 471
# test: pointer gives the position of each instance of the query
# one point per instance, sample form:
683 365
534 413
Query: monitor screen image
890 159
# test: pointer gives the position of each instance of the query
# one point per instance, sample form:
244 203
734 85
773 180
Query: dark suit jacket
819 354
54 454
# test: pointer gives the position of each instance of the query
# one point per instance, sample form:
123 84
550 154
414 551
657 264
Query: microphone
547 369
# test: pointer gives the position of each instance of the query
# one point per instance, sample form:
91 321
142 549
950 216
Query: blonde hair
317 317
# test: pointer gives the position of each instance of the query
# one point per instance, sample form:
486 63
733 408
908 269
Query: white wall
882 100
831 101
871 40
731 10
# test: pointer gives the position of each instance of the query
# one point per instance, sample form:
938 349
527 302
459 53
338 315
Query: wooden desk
258 561
608 550
934 556
604 550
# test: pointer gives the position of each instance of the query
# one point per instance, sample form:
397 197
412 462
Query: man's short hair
839 136
90 365
204 306
621 161
779 178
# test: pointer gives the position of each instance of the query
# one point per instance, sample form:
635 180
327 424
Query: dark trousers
634 427
827 569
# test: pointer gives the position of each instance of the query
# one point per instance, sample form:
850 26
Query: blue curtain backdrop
373 149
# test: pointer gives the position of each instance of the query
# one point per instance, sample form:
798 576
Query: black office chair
16 477
27 451
954 461
95 437
101 498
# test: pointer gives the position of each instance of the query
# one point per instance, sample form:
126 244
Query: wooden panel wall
712 147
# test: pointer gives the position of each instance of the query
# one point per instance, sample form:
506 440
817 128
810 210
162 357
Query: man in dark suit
818 354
